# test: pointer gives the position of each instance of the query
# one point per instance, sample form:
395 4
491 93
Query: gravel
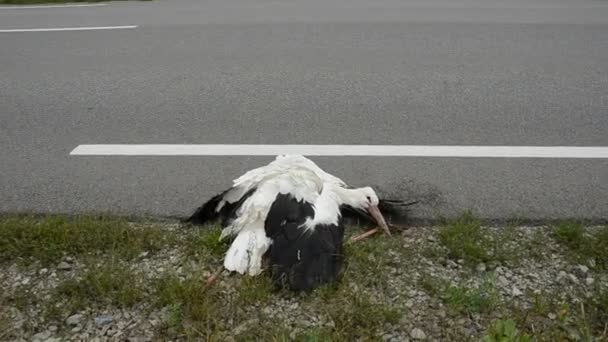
425 313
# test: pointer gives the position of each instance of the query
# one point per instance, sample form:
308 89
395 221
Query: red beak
377 215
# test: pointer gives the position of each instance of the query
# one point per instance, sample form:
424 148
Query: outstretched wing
290 169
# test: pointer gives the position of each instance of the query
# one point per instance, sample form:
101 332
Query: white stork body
292 203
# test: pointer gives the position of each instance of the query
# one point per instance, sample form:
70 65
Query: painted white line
70 29
345 150
52 6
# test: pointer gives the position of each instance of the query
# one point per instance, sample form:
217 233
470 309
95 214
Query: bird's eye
369 198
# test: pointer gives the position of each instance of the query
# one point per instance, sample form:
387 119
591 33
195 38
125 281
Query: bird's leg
372 232
212 278
364 235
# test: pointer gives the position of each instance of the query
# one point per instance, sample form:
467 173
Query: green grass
464 239
356 316
583 246
505 331
106 284
48 239
254 290
194 308
463 299
204 243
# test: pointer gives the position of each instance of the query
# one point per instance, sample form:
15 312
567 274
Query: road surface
407 72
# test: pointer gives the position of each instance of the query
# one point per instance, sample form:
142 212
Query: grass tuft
205 243
48 239
505 331
356 316
193 306
112 284
583 246
464 239
463 299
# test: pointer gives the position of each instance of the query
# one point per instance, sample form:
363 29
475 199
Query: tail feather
206 213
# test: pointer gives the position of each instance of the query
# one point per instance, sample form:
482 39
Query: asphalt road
473 72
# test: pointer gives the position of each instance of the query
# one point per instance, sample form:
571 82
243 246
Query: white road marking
600 152
52 6
92 28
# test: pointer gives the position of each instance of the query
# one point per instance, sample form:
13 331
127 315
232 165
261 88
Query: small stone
481 267
74 319
76 329
41 336
503 281
573 278
25 281
516 292
551 315
417 334
451 264
43 271
53 339
303 323
103 320
584 269
431 238
69 259
64 266
460 261
589 281
144 254
53 328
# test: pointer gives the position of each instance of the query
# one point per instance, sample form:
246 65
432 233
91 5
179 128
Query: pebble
584 269
589 281
452 264
41 335
76 329
481 267
503 281
551 315
53 339
103 320
64 266
516 292
417 334
53 328
43 271
74 319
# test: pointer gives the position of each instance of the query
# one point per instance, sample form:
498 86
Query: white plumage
248 202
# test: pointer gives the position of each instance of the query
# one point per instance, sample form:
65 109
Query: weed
505 331
48 239
110 283
464 239
473 300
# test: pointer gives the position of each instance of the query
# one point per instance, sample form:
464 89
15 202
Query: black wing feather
302 260
207 213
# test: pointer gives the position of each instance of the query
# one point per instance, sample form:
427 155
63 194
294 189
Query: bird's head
365 199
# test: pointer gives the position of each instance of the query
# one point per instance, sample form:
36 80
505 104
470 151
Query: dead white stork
294 208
